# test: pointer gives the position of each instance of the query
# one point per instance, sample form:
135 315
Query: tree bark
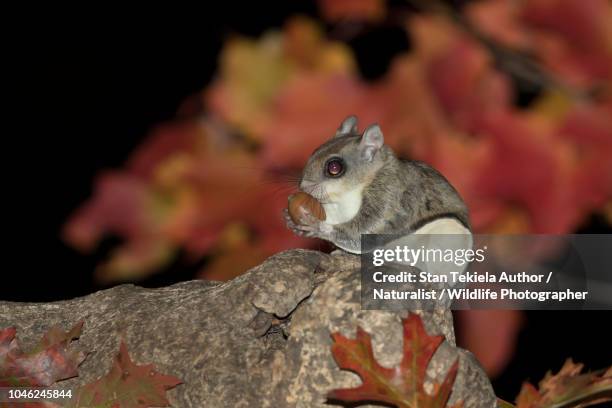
259 340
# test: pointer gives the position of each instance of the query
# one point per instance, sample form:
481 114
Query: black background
87 90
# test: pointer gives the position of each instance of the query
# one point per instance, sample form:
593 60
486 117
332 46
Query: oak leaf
402 386
49 361
568 388
127 385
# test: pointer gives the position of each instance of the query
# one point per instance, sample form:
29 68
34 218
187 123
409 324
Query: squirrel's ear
371 141
347 127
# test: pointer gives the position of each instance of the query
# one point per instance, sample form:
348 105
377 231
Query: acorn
301 204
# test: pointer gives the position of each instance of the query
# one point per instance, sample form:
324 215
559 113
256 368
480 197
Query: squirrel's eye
334 167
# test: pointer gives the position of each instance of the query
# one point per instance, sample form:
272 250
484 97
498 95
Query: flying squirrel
365 188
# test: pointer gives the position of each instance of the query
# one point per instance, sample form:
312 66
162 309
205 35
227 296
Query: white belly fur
343 207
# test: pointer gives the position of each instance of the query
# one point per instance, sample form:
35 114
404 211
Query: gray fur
399 196
348 126
371 141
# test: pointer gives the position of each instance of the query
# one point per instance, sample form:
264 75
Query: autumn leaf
571 38
403 385
568 388
127 385
364 10
48 362
253 72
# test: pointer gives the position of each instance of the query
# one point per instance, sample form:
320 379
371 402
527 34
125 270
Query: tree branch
261 339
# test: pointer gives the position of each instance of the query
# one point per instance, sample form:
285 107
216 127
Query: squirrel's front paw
310 227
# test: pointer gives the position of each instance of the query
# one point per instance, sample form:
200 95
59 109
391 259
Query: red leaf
127 385
48 362
401 385
570 38
362 10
